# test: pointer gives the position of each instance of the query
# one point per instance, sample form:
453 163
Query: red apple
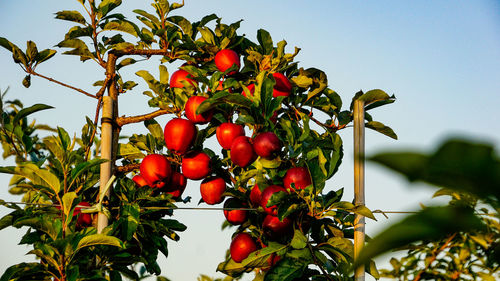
251 89
242 153
211 190
190 108
227 132
274 228
225 59
179 135
283 87
235 217
241 246
155 169
139 181
267 145
299 176
266 194
176 185
179 76
196 165
83 219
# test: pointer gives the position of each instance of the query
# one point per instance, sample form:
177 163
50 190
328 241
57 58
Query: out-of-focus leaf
428 224
457 164
299 241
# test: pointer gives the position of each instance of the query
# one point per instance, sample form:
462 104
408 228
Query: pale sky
440 58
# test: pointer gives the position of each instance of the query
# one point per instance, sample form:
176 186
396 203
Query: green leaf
374 96
98 239
31 50
45 55
34 268
27 81
79 48
125 62
287 270
129 151
122 25
39 176
129 217
64 138
73 16
299 240
67 201
265 41
107 6
6 221
429 224
163 74
364 211
149 16
155 129
83 167
381 128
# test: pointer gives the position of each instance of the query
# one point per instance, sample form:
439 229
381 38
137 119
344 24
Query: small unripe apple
267 145
179 135
211 190
225 59
242 153
300 176
275 229
241 246
266 195
176 185
139 181
235 217
283 87
155 169
179 76
227 132
192 105
196 165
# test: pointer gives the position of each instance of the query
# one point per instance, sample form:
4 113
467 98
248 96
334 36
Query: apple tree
277 125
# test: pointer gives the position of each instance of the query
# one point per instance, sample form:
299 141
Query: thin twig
32 72
120 121
434 256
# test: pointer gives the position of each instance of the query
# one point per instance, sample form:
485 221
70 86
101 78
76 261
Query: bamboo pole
359 183
109 136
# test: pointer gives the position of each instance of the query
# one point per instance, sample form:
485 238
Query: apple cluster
180 134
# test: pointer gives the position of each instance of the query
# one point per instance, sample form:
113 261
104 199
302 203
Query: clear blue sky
440 58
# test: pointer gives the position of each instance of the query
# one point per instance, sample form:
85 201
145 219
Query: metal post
109 136
359 183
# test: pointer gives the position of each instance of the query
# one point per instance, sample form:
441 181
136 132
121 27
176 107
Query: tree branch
120 121
32 72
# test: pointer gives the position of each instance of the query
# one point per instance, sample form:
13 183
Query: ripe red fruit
190 108
139 181
235 217
255 195
211 190
227 132
83 219
241 246
176 185
179 76
299 176
155 169
267 145
266 194
251 88
179 135
242 153
283 87
196 165
225 59
274 228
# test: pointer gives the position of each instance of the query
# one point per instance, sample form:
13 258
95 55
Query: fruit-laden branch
132 167
120 121
32 72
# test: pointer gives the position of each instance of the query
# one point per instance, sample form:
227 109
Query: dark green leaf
73 16
122 25
299 240
44 55
381 128
265 41
107 6
27 81
286 270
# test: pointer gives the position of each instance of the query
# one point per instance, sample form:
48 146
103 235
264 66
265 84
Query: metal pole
359 183
108 136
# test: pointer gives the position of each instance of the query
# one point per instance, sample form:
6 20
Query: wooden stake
359 183
109 136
